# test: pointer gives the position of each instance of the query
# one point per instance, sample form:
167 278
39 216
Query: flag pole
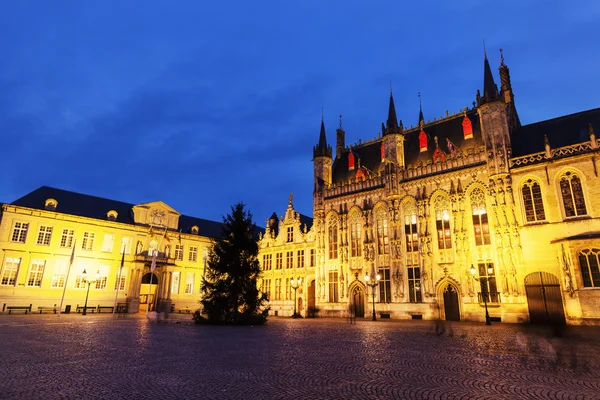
152 267
67 278
119 279
159 246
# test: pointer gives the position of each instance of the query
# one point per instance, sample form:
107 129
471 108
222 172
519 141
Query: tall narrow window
125 244
355 236
120 280
108 243
189 283
412 237
79 282
278 260
487 283
442 223
532 201
300 259
414 285
66 240
277 289
19 233
179 252
290 234
289 259
333 241
102 278
59 275
88 241
480 218
175 282
312 258
267 262
35 273
266 287
385 287
333 287
44 235
10 271
572 195
288 289
193 254
383 240
588 263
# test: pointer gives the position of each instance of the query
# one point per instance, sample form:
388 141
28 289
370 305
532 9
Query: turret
507 95
322 162
340 142
393 137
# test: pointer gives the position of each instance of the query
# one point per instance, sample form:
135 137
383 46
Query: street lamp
89 283
484 280
373 285
295 285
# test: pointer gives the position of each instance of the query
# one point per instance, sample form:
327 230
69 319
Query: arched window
480 218
383 239
333 240
588 263
532 201
355 234
442 223
412 253
572 195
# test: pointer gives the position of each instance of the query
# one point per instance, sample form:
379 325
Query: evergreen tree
231 295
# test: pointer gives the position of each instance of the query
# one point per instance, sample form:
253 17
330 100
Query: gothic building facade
454 216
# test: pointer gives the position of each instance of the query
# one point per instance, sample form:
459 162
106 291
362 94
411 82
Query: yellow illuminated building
462 213
42 230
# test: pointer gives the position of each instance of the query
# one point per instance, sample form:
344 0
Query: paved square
101 357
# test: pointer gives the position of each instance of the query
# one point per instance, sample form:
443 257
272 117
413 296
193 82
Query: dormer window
467 128
350 161
422 141
112 215
382 151
194 230
50 204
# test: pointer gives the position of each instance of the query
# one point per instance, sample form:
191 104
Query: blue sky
204 104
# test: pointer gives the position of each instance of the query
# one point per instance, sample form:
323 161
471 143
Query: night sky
204 104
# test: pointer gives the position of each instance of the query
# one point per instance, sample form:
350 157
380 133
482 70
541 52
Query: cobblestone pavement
102 357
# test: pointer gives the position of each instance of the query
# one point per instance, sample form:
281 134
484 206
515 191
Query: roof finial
340 121
322 114
501 57
484 50
421 119
390 86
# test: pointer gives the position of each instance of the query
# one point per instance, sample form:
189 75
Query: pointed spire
421 119
322 149
507 94
490 90
458 186
392 121
452 190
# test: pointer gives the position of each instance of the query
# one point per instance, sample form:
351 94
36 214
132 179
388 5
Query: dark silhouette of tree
231 294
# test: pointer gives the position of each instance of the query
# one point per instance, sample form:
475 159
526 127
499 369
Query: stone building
112 241
455 215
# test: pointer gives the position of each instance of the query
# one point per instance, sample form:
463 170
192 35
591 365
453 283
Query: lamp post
373 284
484 280
89 283
295 285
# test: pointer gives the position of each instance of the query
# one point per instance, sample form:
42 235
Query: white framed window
66 240
179 252
36 271
59 275
19 233
10 271
290 234
189 283
193 254
126 243
79 282
120 281
88 241
108 243
175 283
44 235
102 278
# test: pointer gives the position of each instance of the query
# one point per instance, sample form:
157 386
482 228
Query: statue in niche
139 248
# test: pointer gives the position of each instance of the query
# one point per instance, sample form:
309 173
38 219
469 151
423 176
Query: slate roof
450 128
369 156
561 131
306 220
84 205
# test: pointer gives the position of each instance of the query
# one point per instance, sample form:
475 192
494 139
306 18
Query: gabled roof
561 131
84 205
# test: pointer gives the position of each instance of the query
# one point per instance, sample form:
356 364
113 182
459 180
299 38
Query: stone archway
451 303
356 301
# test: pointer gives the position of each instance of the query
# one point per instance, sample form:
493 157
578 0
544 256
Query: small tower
508 96
322 162
393 137
492 112
340 142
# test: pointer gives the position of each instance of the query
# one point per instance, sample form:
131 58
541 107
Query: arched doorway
148 291
451 307
357 303
311 300
544 299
